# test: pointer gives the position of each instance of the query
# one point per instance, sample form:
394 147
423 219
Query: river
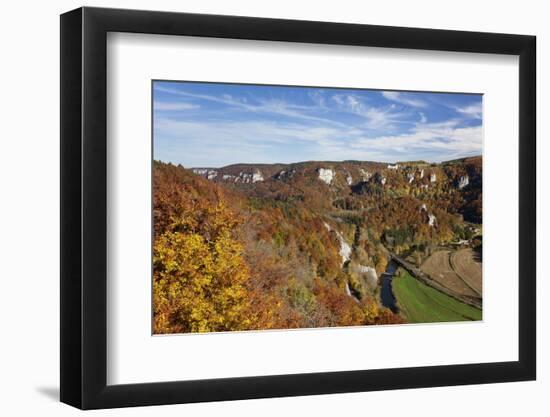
386 292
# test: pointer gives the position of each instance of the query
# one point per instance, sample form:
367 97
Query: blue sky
216 124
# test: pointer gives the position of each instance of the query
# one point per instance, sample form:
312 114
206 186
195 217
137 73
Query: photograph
296 207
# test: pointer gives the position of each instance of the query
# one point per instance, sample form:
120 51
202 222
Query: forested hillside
299 245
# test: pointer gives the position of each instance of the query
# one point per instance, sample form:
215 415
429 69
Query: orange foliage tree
199 271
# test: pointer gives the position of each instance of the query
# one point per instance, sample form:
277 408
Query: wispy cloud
473 110
376 117
219 143
318 97
402 98
447 139
223 99
166 106
273 106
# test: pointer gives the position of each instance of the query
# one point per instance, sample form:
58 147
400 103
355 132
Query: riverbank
387 297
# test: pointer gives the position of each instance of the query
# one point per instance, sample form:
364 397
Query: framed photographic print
258 207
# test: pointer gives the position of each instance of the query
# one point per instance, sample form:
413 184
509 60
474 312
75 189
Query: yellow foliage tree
200 275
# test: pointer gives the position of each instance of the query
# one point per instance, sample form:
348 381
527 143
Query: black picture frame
84 207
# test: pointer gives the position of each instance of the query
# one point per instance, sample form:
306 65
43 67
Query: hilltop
453 185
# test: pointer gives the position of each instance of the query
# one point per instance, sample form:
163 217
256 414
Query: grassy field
422 304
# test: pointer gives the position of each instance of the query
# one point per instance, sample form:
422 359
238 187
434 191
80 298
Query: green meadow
420 303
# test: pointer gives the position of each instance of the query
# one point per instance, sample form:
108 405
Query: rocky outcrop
349 179
247 177
421 173
348 292
431 220
200 171
395 167
205 172
365 175
433 177
345 248
326 175
244 178
370 275
285 174
410 177
257 176
463 182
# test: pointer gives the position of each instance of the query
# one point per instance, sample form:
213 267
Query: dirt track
457 271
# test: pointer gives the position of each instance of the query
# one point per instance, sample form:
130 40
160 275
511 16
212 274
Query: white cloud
219 143
473 111
253 131
380 118
377 118
277 107
222 142
160 105
318 97
445 139
402 99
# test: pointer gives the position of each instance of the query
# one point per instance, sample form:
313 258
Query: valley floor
419 303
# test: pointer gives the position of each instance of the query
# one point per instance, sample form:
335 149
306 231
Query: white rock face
283 174
421 173
326 175
348 292
433 177
345 248
349 179
370 272
396 166
410 177
365 175
463 182
383 180
431 220
245 177
206 173
257 176
227 177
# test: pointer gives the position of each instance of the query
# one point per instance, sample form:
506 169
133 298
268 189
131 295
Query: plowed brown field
464 263
456 271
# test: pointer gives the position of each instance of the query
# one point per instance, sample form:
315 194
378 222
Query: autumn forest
300 246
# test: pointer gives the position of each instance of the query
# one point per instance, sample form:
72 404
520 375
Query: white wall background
29 219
